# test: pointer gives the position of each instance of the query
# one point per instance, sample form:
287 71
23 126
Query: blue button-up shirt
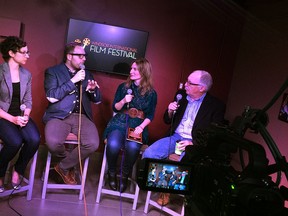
186 124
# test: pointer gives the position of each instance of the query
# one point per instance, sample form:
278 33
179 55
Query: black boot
112 180
123 183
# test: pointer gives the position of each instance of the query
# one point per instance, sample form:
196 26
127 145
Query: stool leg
7 174
134 195
133 175
83 178
32 176
101 178
137 189
46 176
183 209
147 202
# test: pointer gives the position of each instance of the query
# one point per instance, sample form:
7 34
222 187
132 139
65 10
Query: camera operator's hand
183 143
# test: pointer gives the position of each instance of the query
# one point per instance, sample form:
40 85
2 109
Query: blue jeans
116 140
162 148
13 136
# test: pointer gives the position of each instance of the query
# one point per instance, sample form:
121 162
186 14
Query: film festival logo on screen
109 49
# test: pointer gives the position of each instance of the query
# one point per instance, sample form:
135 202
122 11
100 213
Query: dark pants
56 131
13 136
115 141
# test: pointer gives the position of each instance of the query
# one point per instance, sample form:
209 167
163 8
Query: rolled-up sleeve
56 91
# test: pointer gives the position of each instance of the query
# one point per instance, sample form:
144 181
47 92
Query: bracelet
91 92
141 127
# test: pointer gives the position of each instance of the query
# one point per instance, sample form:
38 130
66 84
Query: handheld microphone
22 108
129 92
178 98
82 66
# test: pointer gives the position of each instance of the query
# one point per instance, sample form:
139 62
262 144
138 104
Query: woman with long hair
134 107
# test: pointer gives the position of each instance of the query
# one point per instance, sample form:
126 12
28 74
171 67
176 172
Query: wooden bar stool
71 140
149 201
132 195
29 181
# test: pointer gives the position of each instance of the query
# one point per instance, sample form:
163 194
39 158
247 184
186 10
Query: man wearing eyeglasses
196 109
70 89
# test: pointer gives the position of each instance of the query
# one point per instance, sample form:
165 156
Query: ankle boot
112 180
124 182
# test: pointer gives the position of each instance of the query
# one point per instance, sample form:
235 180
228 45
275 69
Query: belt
135 113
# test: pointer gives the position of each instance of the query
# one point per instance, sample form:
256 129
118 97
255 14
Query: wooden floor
66 202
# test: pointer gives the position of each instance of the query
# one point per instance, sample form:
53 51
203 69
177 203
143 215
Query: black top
14 108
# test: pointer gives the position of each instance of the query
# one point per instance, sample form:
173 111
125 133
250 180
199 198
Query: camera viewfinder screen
168 177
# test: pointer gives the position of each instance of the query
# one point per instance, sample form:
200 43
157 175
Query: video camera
225 174
229 175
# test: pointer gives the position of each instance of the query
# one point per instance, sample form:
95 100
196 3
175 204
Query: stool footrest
80 187
63 186
117 193
149 201
134 196
164 208
29 182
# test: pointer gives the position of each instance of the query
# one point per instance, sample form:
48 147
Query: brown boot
72 174
66 176
163 199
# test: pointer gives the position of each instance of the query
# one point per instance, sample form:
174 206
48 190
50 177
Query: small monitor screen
110 49
172 177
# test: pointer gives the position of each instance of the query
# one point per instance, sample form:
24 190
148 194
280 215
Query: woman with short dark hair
17 129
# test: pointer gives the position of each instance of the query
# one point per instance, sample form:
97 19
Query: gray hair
205 79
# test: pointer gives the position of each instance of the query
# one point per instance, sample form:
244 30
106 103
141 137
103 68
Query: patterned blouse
121 121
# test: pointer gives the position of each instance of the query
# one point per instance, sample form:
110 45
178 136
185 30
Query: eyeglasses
194 84
80 55
24 52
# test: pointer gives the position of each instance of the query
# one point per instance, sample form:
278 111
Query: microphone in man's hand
129 92
178 98
22 108
82 67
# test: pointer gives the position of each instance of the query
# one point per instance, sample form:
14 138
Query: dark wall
261 70
183 36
